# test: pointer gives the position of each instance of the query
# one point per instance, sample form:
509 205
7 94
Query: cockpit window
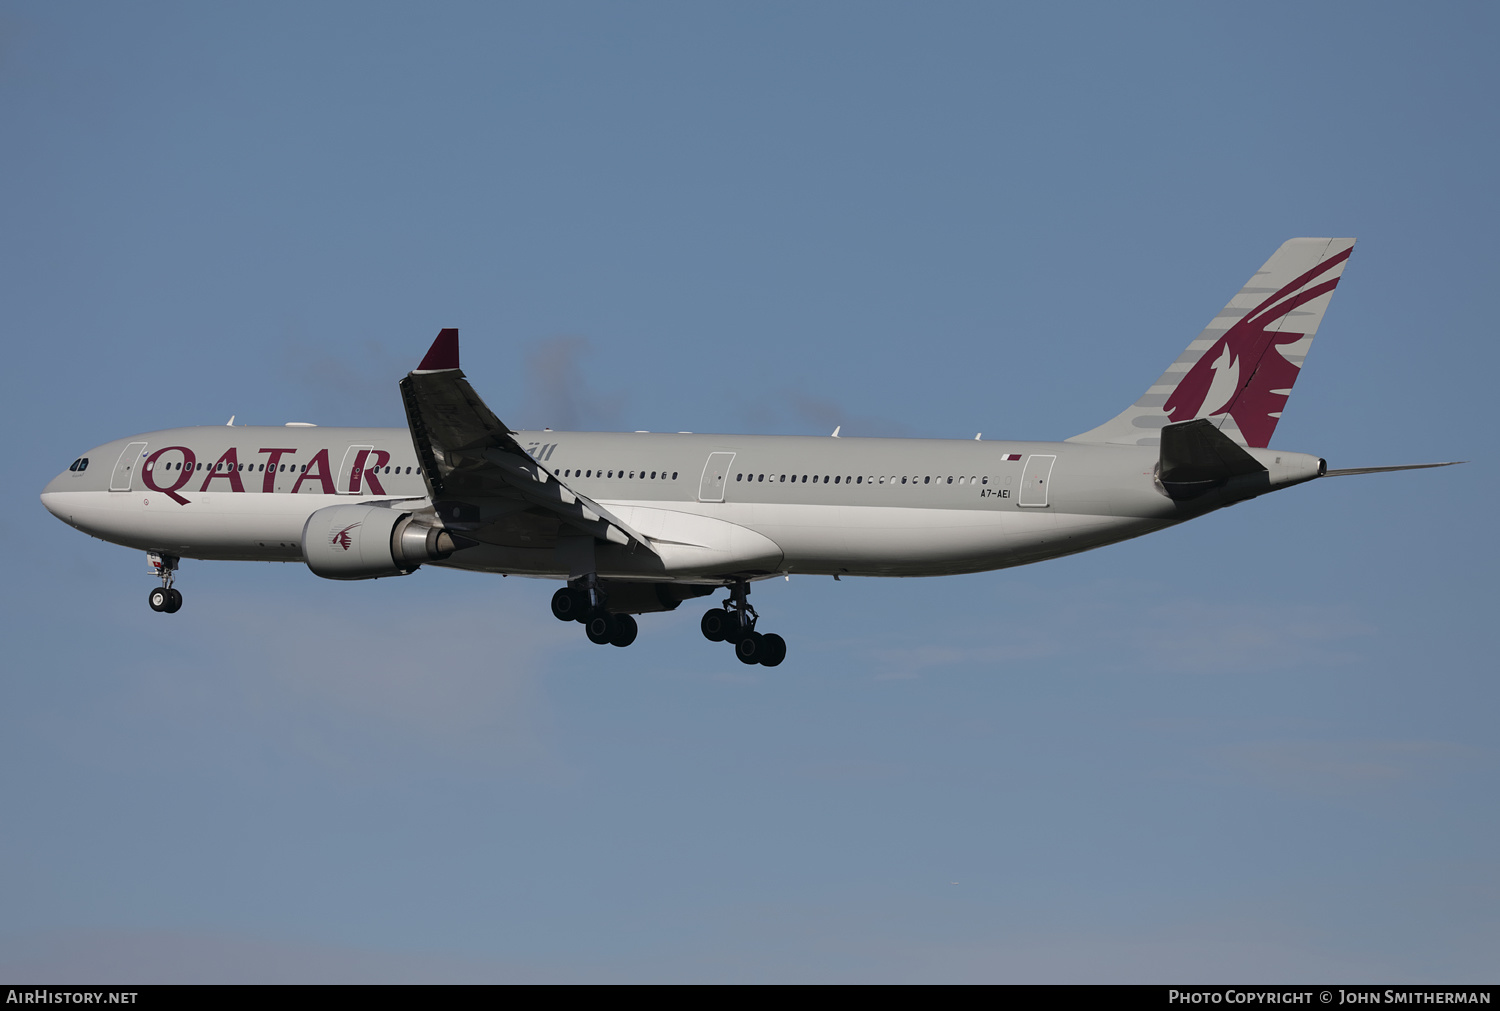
79 465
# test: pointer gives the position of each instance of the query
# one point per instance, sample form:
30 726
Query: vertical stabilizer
1240 370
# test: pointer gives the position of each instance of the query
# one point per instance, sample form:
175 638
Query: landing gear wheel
714 624
600 628
174 600
773 649
158 599
568 604
625 630
750 648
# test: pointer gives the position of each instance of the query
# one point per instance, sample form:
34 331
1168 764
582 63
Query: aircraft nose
75 478
54 486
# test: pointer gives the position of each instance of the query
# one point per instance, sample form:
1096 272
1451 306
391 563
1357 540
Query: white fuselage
708 504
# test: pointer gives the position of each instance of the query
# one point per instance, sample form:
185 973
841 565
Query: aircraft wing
474 468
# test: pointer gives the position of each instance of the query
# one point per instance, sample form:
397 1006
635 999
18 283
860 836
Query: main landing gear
165 597
735 623
585 604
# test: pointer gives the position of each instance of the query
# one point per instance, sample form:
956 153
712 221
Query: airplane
635 523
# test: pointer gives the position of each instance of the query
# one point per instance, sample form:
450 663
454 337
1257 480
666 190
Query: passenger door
351 471
1034 478
715 474
130 459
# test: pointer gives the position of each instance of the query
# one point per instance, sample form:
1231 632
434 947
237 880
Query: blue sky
1258 747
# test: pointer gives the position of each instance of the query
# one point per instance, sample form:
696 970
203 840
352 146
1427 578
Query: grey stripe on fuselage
914 473
1088 479
901 480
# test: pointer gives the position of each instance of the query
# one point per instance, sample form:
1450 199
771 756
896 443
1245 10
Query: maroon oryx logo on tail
342 538
1239 375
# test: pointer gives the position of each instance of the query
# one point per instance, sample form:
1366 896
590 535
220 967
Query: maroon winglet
443 354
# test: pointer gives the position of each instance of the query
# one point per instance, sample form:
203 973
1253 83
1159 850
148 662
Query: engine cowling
368 542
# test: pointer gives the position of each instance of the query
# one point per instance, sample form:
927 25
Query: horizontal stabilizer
1196 456
1346 471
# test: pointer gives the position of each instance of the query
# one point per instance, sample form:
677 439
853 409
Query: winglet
443 355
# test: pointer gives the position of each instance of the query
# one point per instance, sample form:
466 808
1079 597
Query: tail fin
1240 370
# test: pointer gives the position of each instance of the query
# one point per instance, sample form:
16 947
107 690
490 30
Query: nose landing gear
735 623
165 597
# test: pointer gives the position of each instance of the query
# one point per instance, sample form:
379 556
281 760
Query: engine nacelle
367 542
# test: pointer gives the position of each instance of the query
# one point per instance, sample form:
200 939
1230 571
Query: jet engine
367 542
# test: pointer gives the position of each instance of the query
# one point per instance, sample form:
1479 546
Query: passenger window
927 480
674 475
761 478
950 479
739 477
984 480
